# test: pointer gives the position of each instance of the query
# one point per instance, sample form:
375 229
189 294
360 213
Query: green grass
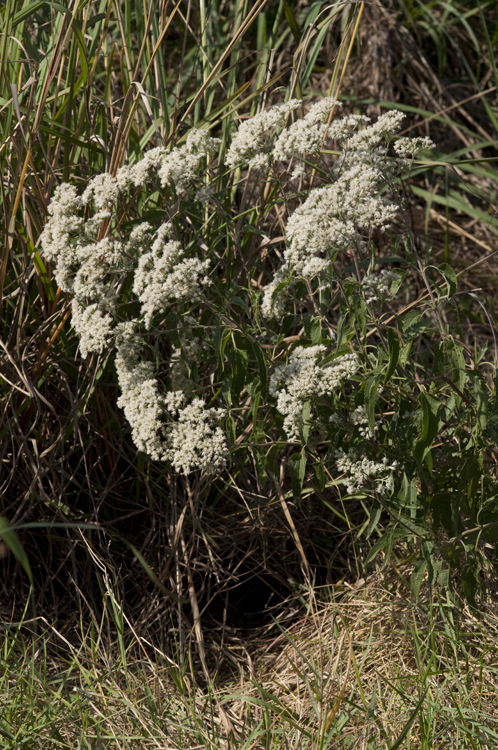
419 676
370 670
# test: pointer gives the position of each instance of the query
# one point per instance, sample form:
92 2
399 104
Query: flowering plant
252 308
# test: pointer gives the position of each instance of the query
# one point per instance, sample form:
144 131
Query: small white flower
305 135
405 147
180 166
302 378
164 427
164 275
359 418
204 194
195 440
299 171
361 473
254 137
376 288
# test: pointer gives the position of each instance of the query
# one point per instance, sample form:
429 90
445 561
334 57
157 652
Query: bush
241 373
305 342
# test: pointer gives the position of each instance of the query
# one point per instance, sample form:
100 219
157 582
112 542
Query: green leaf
44 277
319 476
417 577
449 276
293 24
14 544
272 464
260 358
480 393
430 424
33 7
408 724
305 428
386 541
374 519
238 302
316 331
172 327
454 353
413 324
81 45
394 342
5 731
230 429
371 388
297 470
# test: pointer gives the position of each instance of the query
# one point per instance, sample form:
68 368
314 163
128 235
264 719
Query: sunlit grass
383 674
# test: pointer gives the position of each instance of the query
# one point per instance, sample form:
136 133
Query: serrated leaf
305 427
272 463
449 276
480 393
316 331
319 476
413 324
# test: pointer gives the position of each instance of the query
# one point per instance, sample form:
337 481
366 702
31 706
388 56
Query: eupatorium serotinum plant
267 300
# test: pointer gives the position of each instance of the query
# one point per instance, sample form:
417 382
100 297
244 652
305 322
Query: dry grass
67 457
368 669
373 661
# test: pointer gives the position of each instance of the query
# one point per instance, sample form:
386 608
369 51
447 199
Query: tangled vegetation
247 345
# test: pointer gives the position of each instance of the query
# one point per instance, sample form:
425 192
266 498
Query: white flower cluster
369 146
376 288
178 167
405 147
303 378
273 304
371 137
91 267
330 221
204 194
305 136
361 473
341 130
254 138
94 326
163 275
142 405
337 217
360 419
193 441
